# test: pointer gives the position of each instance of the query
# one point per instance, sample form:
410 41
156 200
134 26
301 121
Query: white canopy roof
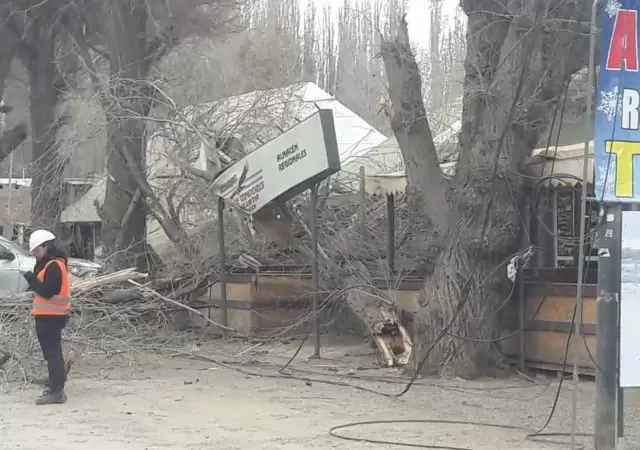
543 162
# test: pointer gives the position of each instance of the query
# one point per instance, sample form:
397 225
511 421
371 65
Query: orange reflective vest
59 304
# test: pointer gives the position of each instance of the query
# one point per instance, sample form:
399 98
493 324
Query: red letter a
624 42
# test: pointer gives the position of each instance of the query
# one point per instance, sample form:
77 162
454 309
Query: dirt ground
149 402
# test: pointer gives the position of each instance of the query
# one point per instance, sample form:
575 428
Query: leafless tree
519 58
131 37
33 32
272 57
328 66
358 72
310 47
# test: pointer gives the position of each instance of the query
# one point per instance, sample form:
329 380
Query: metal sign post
314 269
391 234
223 265
608 243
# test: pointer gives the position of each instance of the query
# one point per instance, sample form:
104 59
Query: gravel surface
149 402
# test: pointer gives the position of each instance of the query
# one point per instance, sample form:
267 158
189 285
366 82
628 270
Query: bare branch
79 37
132 207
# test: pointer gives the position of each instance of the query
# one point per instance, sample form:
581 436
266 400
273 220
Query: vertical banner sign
617 127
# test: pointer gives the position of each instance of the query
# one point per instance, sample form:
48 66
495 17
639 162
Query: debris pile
111 314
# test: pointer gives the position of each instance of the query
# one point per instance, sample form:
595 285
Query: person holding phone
51 285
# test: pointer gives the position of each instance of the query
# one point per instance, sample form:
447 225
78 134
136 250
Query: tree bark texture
127 99
8 51
45 90
124 210
11 140
519 58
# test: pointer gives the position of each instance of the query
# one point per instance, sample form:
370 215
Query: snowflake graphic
607 178
610 103
612 8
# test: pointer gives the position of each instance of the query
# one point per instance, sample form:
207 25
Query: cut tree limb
105 280
183 306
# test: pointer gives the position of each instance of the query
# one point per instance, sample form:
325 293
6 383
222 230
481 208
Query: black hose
333 432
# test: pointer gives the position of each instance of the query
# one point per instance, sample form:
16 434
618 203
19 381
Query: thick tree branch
11 139
8 50
173 230
411 127
131 209
81 42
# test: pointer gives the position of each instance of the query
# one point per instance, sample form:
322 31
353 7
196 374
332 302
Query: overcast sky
417 16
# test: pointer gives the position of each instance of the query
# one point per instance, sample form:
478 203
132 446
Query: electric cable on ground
333 432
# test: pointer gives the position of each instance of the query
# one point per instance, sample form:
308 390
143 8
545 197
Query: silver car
15 259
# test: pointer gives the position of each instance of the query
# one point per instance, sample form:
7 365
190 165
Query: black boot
52 398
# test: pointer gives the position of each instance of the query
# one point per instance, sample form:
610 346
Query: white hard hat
39 237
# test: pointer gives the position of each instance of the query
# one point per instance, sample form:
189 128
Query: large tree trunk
456 329
48 162
515 72
8 50
127 101
124 211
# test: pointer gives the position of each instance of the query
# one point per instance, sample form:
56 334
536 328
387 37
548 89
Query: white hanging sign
284 167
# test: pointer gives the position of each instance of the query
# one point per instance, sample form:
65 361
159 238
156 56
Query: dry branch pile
110 314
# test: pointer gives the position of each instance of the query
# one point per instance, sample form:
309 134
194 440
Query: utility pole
224 304
608 240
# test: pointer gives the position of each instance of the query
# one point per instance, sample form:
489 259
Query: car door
11 281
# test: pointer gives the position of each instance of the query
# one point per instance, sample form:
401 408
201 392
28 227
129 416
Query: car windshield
13 246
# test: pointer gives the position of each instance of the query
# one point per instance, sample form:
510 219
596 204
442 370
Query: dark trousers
49 330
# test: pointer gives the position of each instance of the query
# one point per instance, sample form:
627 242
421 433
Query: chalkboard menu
565 227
